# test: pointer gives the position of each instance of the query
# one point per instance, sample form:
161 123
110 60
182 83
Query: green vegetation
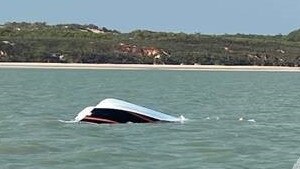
74 43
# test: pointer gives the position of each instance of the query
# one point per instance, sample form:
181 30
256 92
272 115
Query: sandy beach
26 65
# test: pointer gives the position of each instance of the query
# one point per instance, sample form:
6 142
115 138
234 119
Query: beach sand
27 65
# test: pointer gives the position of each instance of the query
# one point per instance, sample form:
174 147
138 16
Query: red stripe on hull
99 120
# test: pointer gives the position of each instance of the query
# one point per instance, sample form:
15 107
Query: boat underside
113 116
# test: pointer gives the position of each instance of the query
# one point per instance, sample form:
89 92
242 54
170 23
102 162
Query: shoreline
84 66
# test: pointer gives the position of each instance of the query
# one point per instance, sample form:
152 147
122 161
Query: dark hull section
111 116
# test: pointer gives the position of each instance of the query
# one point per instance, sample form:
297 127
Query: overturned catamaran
117 111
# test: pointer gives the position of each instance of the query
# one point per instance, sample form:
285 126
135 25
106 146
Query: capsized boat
118 111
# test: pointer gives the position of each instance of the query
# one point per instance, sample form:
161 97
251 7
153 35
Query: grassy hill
74 43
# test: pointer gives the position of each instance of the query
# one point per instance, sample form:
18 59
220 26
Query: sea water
237 120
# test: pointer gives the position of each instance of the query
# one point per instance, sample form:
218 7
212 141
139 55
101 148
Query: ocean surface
237 120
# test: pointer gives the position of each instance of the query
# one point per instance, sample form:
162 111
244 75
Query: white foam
68 121
182 119
297 164
251 120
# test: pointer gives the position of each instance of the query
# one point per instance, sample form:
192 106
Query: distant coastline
30 65
75 43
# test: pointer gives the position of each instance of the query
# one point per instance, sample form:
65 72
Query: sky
268 17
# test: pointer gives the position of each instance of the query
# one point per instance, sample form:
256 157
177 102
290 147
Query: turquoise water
33 101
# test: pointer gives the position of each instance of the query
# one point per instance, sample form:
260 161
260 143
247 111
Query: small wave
249 120
68 121
212 118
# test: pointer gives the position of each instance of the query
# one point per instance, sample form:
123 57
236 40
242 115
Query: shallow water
33 101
